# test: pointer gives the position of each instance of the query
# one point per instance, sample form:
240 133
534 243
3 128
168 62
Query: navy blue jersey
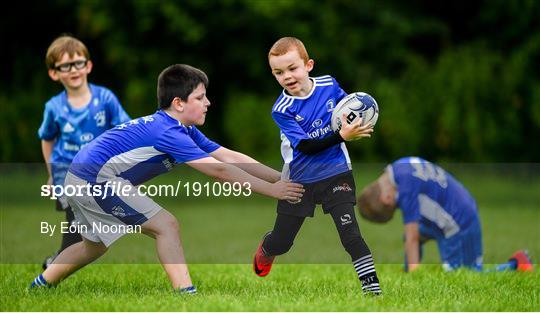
429 195
141 149
73 128
309 118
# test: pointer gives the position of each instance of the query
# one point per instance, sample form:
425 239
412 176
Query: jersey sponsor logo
86 137
344 187
345 219
68 128
316 123
71 147
330 105
320 132
100 118
298 118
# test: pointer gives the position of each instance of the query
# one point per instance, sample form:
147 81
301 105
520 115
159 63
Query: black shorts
329 192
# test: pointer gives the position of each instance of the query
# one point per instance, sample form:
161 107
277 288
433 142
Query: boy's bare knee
173 224
161 224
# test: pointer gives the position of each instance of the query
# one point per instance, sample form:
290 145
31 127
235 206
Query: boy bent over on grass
435 206
135 152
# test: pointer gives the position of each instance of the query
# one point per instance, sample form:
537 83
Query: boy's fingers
294 187
297 185
368 125
297 190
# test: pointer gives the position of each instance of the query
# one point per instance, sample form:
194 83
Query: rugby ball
356 105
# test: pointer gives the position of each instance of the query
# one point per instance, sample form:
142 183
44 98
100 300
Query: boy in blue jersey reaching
135 152
316 157
74 117
435 206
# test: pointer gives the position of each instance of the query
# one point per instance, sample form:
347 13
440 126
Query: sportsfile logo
345 187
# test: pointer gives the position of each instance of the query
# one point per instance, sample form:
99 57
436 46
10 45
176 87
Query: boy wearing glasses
73 118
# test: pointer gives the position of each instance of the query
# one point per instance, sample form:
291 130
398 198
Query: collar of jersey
390 172
179 123
304 97
81 109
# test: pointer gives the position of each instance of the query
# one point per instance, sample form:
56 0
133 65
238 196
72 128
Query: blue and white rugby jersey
432 197
141 149
309 118
73 128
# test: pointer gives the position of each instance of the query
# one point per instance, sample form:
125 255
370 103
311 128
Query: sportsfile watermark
123 189
218 223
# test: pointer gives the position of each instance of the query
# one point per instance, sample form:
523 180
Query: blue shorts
463 249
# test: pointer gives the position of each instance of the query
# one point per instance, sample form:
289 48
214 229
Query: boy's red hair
286 44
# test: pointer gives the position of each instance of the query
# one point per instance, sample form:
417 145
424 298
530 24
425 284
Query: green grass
220 235
288 288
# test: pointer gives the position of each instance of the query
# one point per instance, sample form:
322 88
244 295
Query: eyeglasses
66 67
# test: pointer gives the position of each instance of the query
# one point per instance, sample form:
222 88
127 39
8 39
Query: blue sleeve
410 207
340 93
49 129
180 146
117 112
202 141
289 127
407 189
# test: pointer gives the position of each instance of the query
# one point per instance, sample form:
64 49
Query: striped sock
188 290
365 268
39 282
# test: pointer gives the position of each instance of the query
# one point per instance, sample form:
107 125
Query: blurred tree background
455 80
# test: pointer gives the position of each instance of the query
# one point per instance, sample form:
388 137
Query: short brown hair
178 80
371 207
65 44
286 44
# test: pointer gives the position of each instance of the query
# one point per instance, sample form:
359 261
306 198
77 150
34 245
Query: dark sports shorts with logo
329 192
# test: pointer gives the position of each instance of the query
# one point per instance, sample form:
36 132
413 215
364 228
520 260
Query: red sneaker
524 263
262 263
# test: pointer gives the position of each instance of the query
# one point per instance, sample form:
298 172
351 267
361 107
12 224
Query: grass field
221 234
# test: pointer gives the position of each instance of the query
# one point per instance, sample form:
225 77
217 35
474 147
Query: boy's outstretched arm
246 163
412 246
223 171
